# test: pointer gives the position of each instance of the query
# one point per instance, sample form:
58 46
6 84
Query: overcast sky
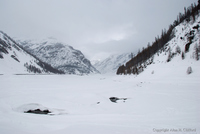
96 27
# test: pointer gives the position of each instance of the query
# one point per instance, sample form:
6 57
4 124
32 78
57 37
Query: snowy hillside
174 55
110 64
59 55
14 60
182 49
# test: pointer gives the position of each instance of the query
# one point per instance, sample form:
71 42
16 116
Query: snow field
81 104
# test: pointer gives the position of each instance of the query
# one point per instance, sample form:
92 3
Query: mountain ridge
16 60
59 55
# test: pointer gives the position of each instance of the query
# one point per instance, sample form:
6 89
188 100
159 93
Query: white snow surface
167 99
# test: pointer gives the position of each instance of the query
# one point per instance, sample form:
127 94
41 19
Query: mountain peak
60 55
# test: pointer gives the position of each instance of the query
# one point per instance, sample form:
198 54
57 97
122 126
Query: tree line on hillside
134 65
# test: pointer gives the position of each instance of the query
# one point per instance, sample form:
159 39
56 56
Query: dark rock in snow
115 99
196 27
187 46
38 111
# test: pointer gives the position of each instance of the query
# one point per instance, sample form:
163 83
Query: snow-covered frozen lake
80 104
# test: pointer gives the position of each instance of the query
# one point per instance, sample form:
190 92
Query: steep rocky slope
59 55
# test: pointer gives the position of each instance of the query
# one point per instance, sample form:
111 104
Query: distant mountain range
59 55
22 56
111 64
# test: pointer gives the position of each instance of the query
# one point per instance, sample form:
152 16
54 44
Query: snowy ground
163 102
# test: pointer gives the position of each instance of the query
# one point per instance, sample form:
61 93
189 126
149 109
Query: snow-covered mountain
183 49
110 64
15 60
59 55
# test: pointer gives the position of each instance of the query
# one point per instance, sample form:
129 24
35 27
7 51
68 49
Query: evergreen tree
196 52
183 55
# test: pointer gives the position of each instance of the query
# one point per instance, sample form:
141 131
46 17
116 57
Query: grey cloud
93 26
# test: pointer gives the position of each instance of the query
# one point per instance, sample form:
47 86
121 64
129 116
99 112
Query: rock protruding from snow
38 111
115 99
35 108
